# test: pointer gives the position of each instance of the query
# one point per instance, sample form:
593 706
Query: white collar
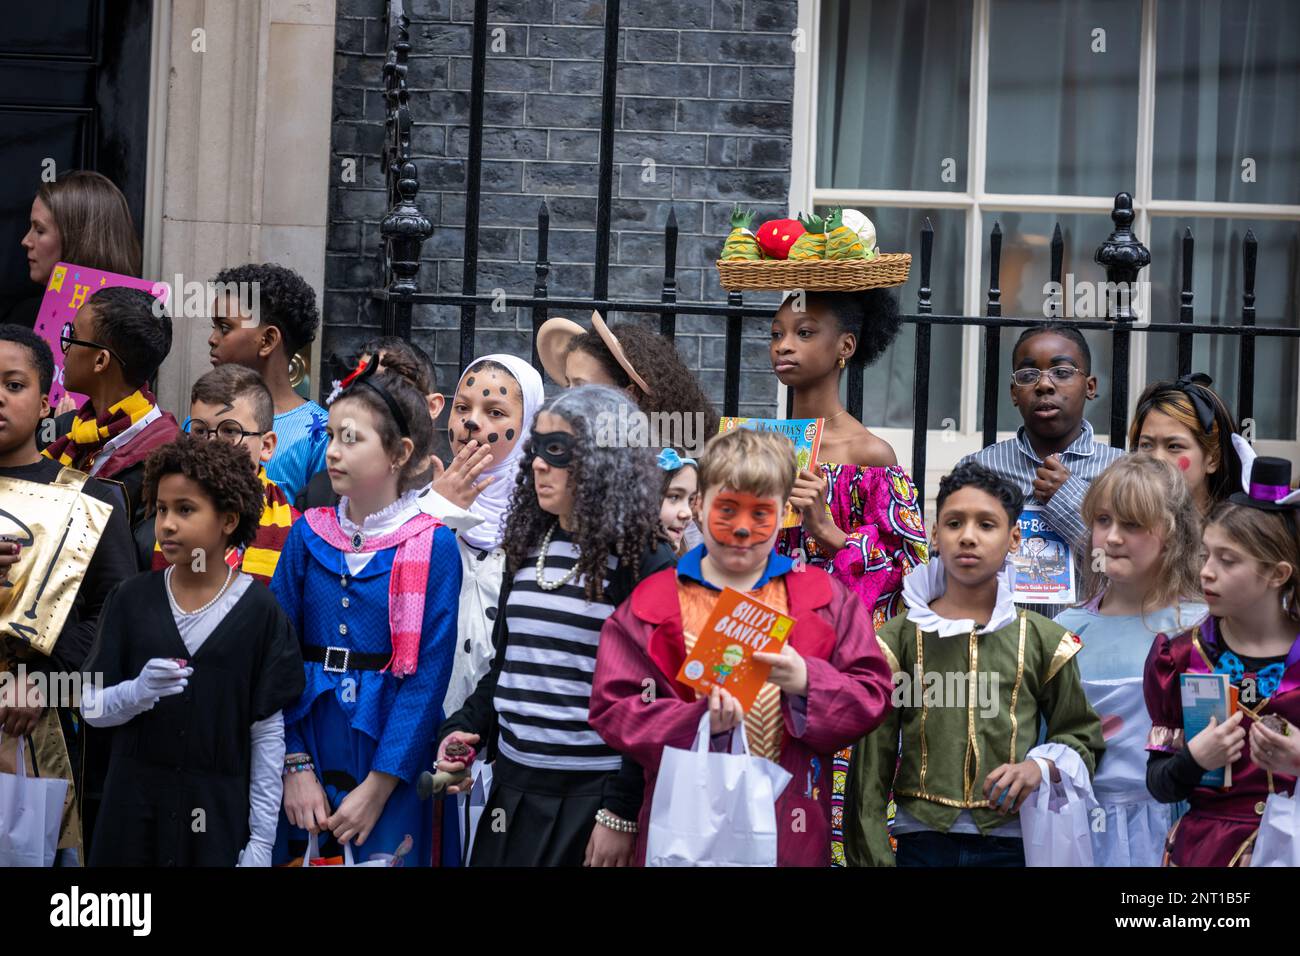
383 521
926 583
121 438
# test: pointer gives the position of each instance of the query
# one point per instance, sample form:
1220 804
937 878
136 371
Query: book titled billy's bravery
723 653
1205 696
804 433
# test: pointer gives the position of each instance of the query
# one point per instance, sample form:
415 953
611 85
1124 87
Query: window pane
1025 272
887 385
1227 85
1216 285
893 94
1062 113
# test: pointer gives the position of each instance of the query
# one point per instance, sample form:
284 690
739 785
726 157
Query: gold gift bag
59 529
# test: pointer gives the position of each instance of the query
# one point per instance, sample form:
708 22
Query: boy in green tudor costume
968 759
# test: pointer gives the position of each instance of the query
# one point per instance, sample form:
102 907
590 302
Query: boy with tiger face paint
827 686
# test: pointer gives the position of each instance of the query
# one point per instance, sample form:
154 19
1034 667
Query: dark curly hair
870 316
616 494
972 475
657 361
395 377
221 469
284 300
42 357
136 326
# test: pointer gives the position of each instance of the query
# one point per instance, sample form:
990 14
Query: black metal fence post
543 270
921 368
668 321
1122 255
1246 376
1185 307
404 228
993 338
473 181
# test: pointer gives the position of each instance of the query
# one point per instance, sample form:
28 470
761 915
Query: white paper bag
31 811
1278 843
714 809
313 851
1054 824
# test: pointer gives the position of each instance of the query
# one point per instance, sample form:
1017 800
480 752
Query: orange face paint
739 519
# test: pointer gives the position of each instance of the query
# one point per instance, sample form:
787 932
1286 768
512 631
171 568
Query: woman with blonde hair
1140 581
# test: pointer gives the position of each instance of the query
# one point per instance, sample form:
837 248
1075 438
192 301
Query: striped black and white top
544 689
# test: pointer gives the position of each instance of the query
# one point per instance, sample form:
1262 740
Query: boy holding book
828 685
974 679
1052 458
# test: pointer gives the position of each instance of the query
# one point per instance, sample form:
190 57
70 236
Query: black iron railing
405 228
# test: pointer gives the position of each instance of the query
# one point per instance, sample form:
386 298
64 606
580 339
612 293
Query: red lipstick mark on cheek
1184 463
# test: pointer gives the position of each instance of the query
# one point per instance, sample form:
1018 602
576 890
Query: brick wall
703 120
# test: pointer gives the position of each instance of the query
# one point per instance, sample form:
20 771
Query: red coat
849 687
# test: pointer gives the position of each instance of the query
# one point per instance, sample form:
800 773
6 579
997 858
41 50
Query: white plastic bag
313 851
1054 823
1278 843
31 812
714 809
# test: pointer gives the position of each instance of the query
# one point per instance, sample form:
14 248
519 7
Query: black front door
74 94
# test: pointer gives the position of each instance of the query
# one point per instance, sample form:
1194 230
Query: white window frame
946 448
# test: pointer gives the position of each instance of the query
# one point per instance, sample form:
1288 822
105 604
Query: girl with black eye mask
582 531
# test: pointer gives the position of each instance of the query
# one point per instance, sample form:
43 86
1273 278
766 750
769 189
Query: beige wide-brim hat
554 336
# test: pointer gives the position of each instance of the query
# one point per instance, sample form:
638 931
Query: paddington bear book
723 654
804 433
1205 696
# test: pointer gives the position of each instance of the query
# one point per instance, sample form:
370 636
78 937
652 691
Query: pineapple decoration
812 244
841 241
741 243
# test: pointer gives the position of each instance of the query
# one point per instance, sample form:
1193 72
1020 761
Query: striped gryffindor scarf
90 432
763 720
259 558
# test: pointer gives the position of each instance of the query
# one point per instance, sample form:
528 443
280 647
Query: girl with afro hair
196 667
861 520
582 531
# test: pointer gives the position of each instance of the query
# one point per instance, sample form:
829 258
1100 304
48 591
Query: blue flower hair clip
669 460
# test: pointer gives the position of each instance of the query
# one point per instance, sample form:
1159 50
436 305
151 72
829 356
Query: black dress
178 777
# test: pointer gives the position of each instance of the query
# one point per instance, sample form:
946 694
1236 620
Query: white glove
114 706
257 853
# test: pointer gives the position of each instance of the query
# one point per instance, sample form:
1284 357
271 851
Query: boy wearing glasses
231 404
112 350
1052 458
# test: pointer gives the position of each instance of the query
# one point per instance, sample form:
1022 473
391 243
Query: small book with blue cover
1205 696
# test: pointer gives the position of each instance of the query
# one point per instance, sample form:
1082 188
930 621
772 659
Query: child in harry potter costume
30 488
197 662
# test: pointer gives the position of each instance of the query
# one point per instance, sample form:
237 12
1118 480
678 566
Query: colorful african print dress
878 508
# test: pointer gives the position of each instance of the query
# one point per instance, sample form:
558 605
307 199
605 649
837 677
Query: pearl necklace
541 565
176 608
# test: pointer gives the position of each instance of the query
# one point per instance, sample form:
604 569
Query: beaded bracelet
299 767
607 819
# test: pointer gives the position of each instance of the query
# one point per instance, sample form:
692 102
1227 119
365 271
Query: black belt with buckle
339 659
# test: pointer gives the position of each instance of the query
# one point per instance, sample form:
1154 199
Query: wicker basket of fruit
835 254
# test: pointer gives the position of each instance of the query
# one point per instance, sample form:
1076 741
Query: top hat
1266 482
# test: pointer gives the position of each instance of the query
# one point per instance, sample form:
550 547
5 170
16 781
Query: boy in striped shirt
1052 459
232 404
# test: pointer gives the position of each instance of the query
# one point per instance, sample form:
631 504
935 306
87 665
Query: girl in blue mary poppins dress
372 588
